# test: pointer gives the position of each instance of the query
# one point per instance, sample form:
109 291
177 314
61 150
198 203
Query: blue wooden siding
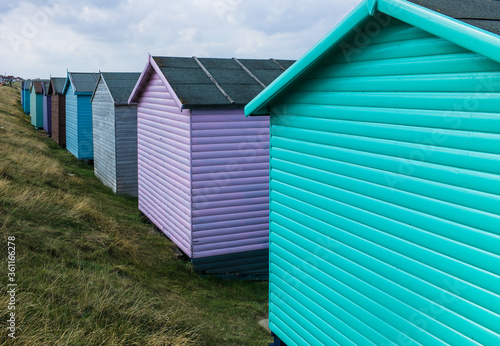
26 101
85 135
71 121
385 207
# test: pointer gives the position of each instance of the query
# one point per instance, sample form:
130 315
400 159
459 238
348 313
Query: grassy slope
89 270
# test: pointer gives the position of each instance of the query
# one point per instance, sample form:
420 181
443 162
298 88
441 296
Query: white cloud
39 38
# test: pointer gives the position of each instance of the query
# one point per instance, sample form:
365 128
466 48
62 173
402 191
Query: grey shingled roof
26 84
45 87
57 85
84 82
120 84
484 14
196 89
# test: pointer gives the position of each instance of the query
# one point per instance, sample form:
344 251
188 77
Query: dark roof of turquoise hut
214 82
484 14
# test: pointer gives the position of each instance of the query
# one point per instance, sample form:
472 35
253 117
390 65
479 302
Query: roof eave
460 33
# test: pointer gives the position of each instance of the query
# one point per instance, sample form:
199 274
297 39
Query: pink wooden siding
230 189
164 162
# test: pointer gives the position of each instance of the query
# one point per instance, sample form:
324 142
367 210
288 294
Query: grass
90 270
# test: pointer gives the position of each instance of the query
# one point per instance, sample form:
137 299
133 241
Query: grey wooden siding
230 181
126 149
163 135
103 117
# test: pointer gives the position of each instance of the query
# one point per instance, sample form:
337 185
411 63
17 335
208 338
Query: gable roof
119 84
454 30
57 85
484 14
213 82
83 82
26 84
37 85
45 87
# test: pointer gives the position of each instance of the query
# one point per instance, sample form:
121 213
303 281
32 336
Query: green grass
90 270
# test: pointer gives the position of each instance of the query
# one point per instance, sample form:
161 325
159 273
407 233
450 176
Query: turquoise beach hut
78 91
385 180
36 100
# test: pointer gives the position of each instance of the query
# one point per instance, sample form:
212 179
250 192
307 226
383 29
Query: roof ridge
277 63
213 80
250 73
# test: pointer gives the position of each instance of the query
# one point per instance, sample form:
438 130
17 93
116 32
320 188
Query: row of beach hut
364 178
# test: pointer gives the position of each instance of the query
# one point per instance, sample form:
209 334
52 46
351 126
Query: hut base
251 265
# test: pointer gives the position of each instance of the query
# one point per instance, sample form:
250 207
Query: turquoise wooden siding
85 135
36 109
71 121
385 197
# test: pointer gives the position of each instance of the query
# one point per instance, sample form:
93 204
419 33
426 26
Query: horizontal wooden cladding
104 136
451 101
463 139
59 119
163 147
415 153
441 64
473 82
149 204
434 119
349 269
71 121
404 49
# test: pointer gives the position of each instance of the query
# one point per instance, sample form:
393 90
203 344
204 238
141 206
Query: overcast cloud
39 38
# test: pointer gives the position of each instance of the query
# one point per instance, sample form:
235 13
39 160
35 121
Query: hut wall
36 109
59 119
164 156
103 117
385 197
71 121
27 101
230 182
126 149
47 114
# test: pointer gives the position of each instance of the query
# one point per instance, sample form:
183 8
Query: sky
43 38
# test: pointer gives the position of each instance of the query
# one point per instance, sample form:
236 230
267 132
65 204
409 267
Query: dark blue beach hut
385 179
78 91
47 108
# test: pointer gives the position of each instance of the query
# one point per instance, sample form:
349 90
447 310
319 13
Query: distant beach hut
36 100
78 90
22 93
58 108
203 168
26 96
115 132
47 108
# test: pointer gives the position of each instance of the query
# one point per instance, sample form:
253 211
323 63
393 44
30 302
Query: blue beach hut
78 91
385 182
26 96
